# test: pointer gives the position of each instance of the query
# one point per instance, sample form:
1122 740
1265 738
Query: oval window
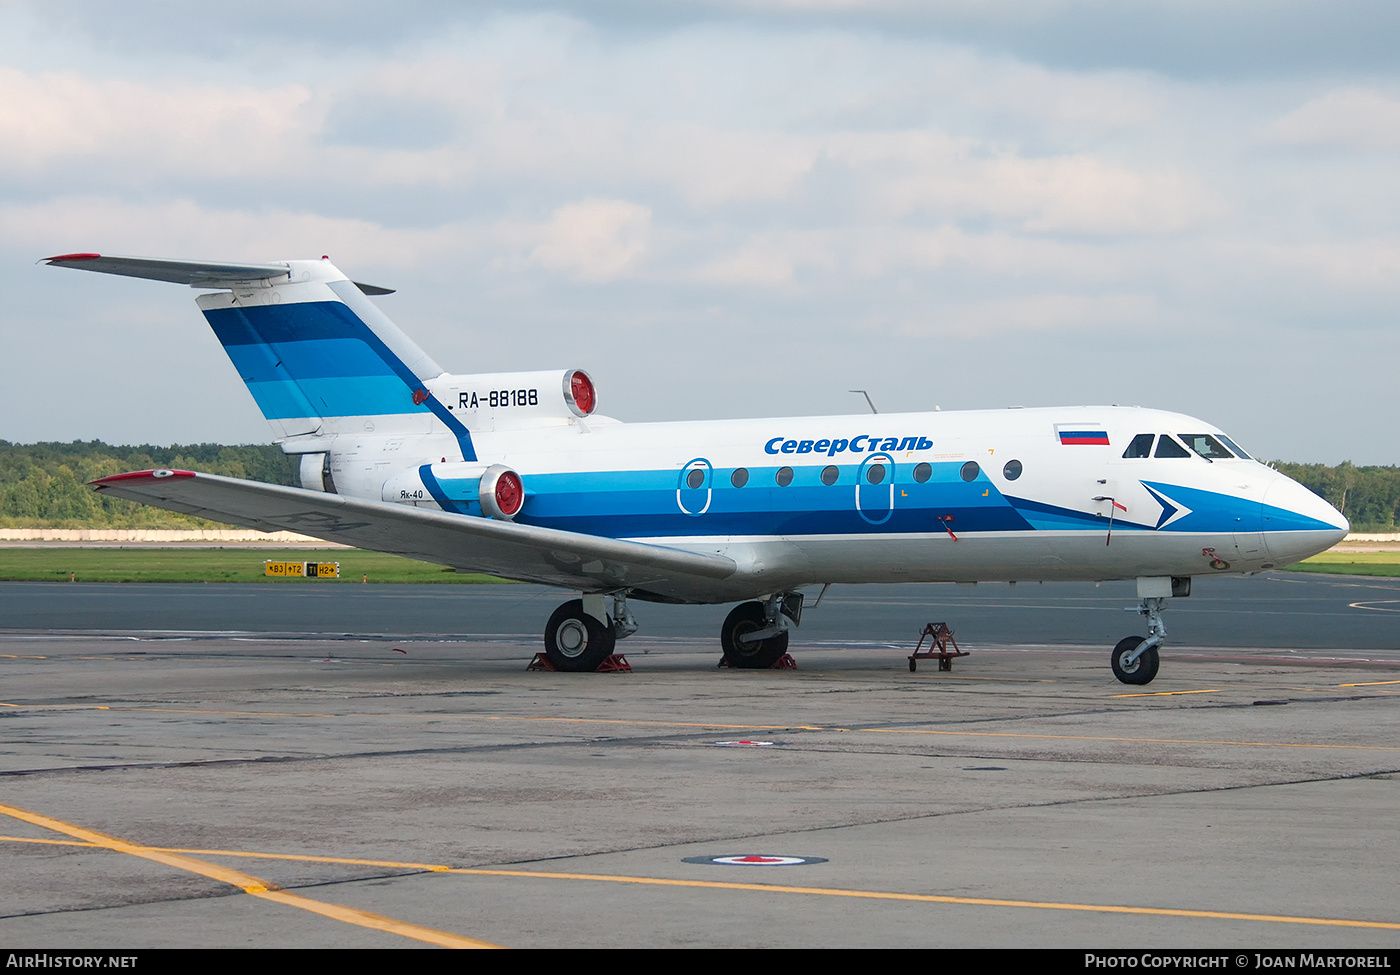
784 476
1012 470
875 473
923 472
740 477
830 474
970 470
695 478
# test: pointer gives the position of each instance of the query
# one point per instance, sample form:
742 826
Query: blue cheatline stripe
1209 508
967 521
643 503
425 474
1051 516
317 340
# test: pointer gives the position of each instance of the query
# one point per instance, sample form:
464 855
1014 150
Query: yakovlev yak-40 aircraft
516 474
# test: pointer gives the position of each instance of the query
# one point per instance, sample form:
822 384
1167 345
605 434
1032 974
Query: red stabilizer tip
72 257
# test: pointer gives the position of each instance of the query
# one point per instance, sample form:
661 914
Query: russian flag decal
1081 433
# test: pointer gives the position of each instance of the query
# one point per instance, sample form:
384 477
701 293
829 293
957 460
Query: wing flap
524 552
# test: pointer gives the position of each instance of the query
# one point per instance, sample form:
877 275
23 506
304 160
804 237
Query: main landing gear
755 634
1135 659
582 634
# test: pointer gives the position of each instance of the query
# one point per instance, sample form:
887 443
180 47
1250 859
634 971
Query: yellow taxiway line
768 888
249 884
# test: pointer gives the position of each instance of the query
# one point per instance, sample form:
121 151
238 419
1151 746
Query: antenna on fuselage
867 398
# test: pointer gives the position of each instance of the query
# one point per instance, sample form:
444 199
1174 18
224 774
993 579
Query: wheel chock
614 664
941 638
785 662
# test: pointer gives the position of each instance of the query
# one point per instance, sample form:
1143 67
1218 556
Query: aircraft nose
1298 523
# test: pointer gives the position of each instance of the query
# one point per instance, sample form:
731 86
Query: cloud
935 173
878 185
64 120
183 228
1361 118
596 240
1113 316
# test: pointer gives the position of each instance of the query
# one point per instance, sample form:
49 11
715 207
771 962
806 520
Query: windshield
1235 447
1207 446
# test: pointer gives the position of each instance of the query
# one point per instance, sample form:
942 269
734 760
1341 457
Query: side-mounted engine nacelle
492 490
514 400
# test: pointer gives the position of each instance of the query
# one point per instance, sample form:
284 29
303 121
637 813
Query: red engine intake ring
502 493
579 392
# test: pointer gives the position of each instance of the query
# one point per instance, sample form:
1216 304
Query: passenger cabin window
1207 446
1140 447
1167 447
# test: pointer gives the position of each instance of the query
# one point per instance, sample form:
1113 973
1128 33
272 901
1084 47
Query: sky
727 208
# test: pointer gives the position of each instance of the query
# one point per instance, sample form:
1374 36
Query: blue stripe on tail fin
310 360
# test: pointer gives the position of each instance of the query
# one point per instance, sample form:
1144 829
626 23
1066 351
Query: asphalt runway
205 766
1276 610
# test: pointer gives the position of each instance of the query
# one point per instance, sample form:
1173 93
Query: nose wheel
1135 658
1134 670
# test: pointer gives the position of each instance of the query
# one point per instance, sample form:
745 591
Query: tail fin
316 354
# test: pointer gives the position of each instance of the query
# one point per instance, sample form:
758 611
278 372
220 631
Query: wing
196 274
525 552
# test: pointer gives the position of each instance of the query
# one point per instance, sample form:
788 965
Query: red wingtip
155 475
72 257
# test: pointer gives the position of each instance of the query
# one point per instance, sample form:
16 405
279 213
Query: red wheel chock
614 664
785 662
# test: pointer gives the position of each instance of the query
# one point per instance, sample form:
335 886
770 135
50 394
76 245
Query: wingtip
68 258
152 475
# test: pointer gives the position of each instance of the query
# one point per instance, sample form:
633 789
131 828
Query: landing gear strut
755 634
1135 659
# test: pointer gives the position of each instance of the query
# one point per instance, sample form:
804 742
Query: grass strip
1345 563
215 565
246 565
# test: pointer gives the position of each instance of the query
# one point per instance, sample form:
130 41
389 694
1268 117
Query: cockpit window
1207 446
1235 447
1140 447
1167 447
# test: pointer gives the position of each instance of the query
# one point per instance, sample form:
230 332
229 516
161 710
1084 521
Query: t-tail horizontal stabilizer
318 357
196 274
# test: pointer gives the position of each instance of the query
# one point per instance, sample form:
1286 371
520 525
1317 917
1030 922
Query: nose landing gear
1135 659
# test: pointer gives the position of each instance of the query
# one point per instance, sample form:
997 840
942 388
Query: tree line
1368 496
43 485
